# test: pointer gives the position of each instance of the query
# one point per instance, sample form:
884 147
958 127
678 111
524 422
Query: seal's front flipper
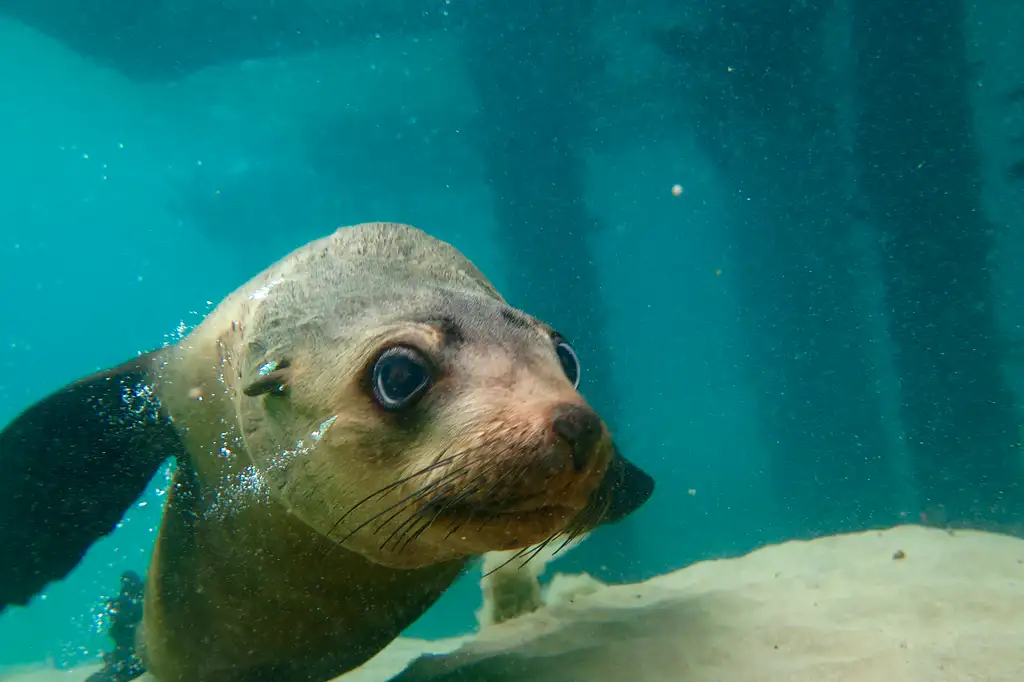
70 466
626 487
124 612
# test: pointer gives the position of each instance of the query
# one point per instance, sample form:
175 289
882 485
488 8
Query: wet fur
306 527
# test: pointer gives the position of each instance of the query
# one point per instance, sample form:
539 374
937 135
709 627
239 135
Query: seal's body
349 428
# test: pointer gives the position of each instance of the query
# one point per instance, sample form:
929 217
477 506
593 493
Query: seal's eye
400 378
570 362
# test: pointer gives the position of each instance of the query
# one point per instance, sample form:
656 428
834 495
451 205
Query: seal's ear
626 487
70 467
274 383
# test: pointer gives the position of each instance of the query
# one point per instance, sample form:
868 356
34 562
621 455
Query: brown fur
249 582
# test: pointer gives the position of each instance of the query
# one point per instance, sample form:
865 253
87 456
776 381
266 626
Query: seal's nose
581 428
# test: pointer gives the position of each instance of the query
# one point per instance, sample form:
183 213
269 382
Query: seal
347 431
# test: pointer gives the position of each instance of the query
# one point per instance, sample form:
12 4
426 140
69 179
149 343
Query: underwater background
784 235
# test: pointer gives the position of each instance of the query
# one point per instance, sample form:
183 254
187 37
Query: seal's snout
581 429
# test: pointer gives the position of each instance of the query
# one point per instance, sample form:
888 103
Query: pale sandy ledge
909 604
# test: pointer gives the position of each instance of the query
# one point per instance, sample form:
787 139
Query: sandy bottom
909 604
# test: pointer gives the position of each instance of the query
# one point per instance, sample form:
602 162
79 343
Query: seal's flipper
124 611
70 466
626 487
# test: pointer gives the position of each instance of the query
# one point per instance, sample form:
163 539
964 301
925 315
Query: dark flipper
70 467
626 487
123 664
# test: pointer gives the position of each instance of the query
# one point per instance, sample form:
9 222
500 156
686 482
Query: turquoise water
127 209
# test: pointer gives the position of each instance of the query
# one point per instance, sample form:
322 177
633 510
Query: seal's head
399 406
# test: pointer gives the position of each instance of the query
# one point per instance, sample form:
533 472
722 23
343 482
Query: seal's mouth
487 512
532 517
515 524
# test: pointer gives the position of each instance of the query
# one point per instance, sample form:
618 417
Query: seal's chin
485 513
511 525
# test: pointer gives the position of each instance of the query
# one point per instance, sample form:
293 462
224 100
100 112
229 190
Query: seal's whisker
597 509
447 491
444 461
573 533
537 550
471 488
383 491
416 495
405 501
583 522
419 531
402 504
404 526
466 492
456 525
399 530
587 519
505 563
473 513
440 462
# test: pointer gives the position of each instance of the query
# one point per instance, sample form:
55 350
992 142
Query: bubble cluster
238 491
142 402
241 488
183 328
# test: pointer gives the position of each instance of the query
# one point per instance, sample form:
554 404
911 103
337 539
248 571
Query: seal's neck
233 587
